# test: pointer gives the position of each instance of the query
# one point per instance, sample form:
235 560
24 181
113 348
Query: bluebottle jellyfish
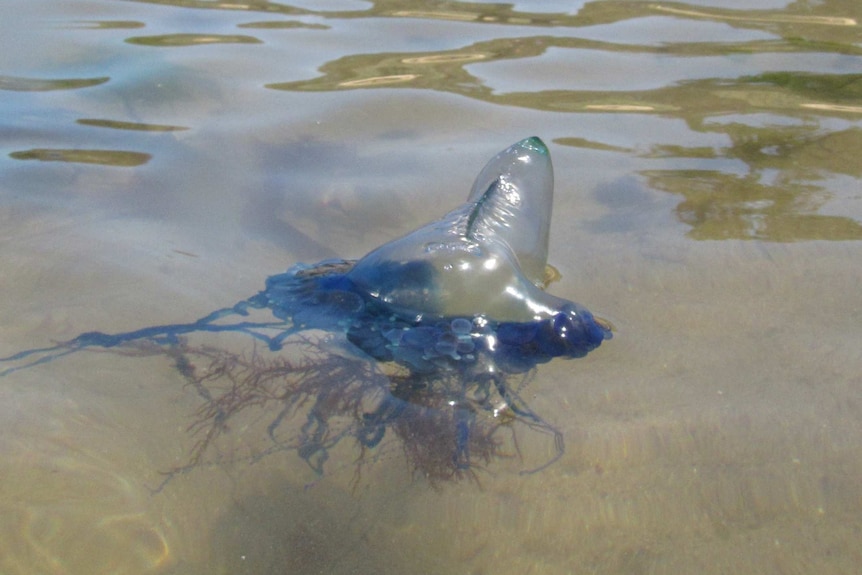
430 335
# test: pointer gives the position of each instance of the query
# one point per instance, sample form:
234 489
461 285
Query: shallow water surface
160 159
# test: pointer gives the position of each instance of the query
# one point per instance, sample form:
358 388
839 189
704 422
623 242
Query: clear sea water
158 160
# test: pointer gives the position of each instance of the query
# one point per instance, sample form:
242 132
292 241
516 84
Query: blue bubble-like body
324 297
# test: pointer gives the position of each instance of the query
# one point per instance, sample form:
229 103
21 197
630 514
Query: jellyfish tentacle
374 424
51 353
313 448
465 421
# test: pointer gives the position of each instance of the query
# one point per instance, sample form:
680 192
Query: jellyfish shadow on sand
429 339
